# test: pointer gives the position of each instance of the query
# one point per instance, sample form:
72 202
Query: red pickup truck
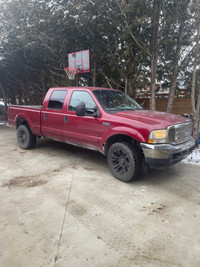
108 121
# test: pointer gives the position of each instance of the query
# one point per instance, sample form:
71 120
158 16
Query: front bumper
163 155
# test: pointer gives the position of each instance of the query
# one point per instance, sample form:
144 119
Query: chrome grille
179 133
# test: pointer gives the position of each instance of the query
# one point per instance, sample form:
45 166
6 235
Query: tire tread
138 157
32 138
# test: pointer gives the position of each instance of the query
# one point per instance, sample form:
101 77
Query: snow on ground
4 123
193 158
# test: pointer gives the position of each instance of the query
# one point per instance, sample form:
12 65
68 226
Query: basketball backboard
79 60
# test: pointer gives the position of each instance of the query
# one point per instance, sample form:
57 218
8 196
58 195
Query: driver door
82 131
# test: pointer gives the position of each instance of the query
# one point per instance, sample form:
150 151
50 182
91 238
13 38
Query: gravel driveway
60 206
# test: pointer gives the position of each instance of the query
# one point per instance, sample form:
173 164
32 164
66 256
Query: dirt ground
60 206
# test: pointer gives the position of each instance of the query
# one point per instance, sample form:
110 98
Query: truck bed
29 113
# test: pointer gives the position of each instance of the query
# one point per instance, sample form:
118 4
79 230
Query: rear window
57 99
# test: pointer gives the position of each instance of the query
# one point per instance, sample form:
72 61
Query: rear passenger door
53 117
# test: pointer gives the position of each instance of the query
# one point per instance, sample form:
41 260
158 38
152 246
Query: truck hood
158 120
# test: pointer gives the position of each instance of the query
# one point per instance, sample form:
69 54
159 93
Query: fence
180 105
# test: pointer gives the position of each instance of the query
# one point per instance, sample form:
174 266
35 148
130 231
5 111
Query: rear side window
81 96
57 99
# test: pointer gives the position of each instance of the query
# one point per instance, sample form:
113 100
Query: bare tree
182 16
154 50
154 41
195 92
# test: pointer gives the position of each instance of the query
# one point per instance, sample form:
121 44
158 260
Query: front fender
123 131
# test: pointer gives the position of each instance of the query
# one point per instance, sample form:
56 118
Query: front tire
123 161
25 137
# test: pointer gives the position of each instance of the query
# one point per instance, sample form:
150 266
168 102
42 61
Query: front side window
81 96
57 99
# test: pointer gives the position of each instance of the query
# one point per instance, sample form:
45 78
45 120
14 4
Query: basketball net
71 72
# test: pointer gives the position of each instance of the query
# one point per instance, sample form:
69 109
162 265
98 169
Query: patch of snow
193 158
66 12
143 188
4 123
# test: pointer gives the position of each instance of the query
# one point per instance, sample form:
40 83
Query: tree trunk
5 100
175 69
77 80
26 101
195 98
43 86
196 129
154 51
94 73
126 85
153 86
130 89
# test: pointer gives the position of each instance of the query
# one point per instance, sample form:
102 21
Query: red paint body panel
30 114
63 125
160 120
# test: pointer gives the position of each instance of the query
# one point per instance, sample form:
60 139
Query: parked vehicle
108 121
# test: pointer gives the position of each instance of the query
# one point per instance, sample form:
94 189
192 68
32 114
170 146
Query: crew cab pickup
108 121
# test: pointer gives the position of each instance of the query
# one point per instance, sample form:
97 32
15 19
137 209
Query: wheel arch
119 138
21 121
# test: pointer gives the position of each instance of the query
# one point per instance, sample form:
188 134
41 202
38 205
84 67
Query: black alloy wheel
25 137
123 161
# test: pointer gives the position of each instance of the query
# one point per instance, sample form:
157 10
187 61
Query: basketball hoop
71 72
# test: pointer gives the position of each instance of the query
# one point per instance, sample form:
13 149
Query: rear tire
25 137
124 161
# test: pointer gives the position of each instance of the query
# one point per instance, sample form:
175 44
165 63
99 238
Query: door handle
65 119
44 116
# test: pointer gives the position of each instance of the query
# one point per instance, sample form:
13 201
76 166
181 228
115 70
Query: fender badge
106 123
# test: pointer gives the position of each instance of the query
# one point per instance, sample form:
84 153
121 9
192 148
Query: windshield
114 101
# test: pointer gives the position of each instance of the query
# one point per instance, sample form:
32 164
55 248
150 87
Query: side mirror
80 109
94 112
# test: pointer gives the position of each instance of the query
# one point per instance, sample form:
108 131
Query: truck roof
81 88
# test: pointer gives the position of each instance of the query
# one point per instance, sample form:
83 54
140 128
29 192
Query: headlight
158 137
